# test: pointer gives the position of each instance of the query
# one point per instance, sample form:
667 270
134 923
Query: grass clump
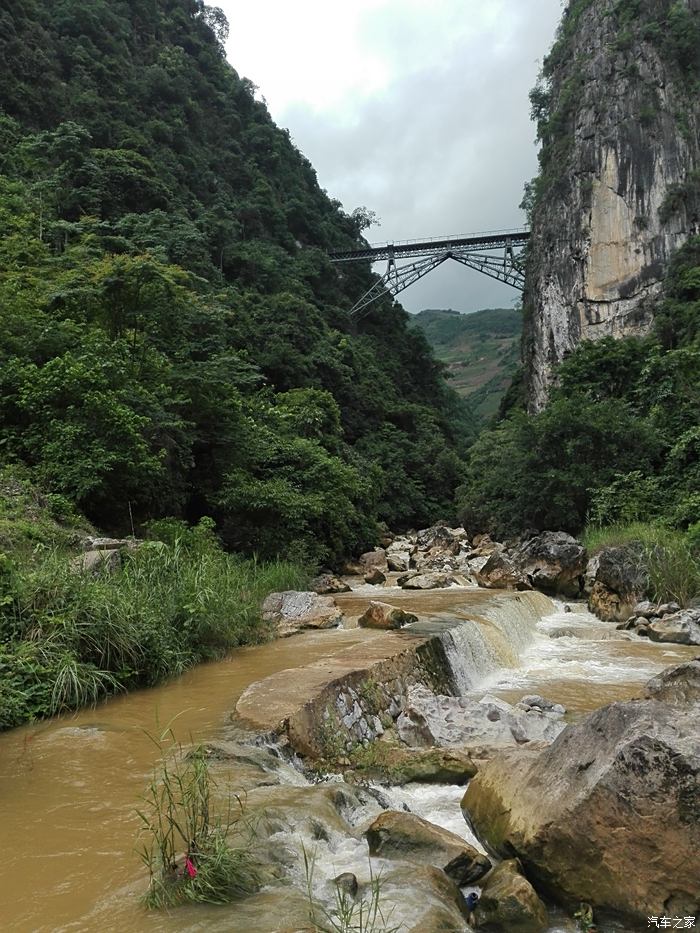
68 638
188 850
671 557
351 912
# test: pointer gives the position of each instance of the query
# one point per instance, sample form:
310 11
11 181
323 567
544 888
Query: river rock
429 901
293 611
435 766
398 555
618 578
375 577
374 560
385 616
484 725
680 628
426 581
609 814
499 572
400 835
328 583
396 765
552 561
509 902
679 685
346 883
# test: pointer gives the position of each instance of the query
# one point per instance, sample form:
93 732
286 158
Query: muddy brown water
69 786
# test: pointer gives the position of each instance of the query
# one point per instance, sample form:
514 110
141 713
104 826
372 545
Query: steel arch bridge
498 254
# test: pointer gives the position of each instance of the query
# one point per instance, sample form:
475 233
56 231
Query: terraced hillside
481 350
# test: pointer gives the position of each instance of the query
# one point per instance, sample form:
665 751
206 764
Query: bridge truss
498 255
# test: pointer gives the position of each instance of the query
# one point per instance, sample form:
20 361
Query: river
69 786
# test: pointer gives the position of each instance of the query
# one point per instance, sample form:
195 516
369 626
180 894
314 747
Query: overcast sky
415 109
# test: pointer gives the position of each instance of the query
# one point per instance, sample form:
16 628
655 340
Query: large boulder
552 561
425 581
398 835
293 611
374 560
609 814
509 902
375 577
499 572
618 579
398 555
676 685
680 628
426 899
383 616
484 725
97 561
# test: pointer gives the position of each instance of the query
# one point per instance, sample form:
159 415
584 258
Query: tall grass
187 839
669 557
169 606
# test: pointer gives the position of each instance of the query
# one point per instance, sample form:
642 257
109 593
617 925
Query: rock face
620 133
554 562
293 611
384 616
509 902
399 835
619 824
485 724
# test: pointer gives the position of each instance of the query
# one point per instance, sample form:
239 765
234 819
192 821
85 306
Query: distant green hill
481 351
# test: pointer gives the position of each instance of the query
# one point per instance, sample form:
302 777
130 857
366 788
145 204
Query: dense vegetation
480 350
620 439
174 339
69 638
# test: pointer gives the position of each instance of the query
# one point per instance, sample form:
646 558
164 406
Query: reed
187 845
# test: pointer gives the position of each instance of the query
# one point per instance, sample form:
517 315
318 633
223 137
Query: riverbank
83 617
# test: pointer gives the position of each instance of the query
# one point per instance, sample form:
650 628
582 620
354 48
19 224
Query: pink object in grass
189 867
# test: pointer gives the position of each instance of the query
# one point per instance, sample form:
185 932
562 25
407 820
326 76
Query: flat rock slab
271 702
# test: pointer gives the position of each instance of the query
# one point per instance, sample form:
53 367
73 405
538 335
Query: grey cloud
442 151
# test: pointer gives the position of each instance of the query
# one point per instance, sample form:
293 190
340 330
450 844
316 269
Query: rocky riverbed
423 736
575 798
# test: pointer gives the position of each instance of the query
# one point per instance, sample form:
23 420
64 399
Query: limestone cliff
618 113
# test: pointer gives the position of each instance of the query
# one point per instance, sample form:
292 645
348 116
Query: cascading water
480 644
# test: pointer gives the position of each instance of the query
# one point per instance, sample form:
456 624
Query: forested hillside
174 339
481 351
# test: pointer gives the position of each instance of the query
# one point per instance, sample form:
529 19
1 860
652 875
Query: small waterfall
480 644
470 654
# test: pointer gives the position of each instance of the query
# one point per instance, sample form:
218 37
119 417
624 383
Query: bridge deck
407 248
